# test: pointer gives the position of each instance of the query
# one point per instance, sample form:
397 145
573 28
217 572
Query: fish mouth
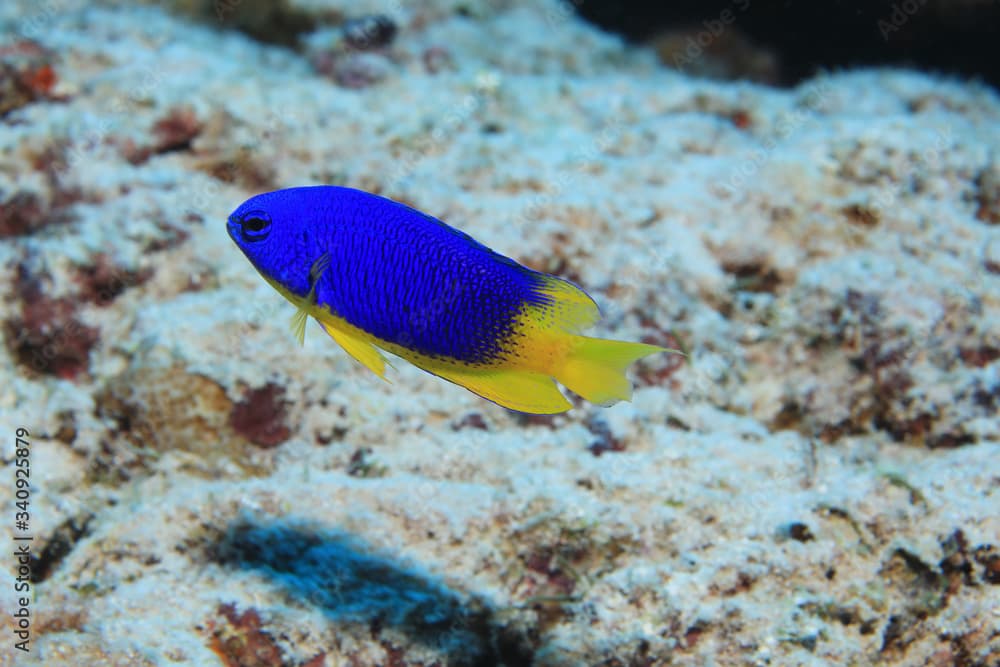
233 227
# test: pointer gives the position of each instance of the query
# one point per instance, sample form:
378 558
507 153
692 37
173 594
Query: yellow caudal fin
362 350
523 391
595 368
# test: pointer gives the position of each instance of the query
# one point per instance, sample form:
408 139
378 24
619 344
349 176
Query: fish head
275 239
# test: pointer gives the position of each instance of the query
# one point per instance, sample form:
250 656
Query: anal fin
523 391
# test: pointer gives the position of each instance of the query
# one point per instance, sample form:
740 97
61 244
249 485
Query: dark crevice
58 546
809 37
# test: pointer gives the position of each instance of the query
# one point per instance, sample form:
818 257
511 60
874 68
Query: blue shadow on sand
351 583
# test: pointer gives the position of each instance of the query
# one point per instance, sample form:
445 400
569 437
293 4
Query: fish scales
406 271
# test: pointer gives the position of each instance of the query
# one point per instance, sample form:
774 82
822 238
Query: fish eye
255 226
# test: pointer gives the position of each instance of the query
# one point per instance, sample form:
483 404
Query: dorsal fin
564 306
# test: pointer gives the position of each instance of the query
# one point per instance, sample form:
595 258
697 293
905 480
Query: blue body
396 273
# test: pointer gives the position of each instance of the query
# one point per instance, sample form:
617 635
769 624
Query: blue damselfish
378 275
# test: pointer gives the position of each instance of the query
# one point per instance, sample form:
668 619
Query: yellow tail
595 368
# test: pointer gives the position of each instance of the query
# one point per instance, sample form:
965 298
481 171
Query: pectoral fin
362 350
303 305
298 323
